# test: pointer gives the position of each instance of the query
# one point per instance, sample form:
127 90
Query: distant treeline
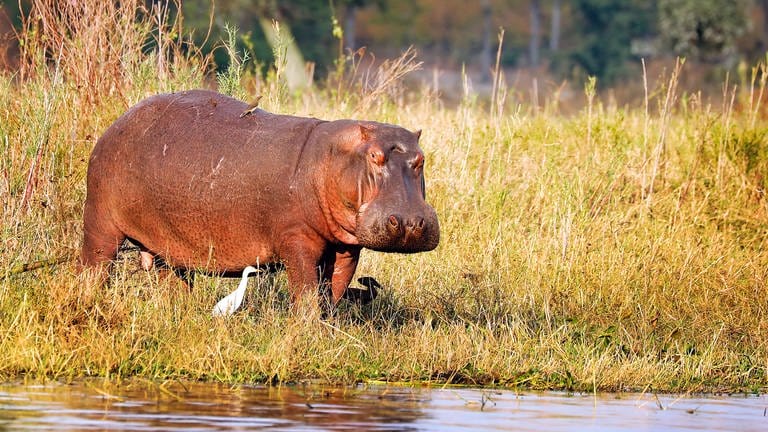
571 38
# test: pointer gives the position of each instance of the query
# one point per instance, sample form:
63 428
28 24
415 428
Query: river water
175 406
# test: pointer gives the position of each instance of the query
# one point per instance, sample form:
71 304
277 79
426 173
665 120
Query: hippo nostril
393 221
393 226
416 223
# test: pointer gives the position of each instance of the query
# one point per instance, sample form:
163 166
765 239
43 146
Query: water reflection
142 405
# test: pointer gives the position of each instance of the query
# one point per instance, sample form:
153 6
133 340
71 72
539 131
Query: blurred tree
592 37
8 44
604 33
310 22
702 29
244 15
535 41
306 21
763 4
485 53
554 33
350 18
447 32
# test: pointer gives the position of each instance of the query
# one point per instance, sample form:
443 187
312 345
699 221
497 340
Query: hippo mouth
397 232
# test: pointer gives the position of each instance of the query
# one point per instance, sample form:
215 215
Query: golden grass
618 248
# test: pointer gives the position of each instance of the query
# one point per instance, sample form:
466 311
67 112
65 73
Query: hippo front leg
338 267
301 254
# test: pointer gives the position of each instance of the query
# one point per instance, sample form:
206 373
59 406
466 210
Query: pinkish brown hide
188 179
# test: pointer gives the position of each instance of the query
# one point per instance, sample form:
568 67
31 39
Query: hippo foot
365 294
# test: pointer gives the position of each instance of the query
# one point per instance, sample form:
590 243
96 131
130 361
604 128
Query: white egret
229 304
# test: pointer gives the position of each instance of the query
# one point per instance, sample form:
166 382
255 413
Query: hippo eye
377 156
397 148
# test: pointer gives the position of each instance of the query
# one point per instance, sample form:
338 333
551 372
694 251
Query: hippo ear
374 150
349 137
365 132
418 134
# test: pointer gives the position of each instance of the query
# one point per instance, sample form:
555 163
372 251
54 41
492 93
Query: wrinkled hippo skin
189 179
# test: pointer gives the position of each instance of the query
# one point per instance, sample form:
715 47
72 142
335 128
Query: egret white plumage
229 304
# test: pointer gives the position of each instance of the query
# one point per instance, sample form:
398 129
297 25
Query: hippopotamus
209 183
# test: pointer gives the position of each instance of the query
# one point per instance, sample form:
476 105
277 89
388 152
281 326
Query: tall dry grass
618 248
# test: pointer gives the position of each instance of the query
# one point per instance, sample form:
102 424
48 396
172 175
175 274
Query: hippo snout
399 232
410 229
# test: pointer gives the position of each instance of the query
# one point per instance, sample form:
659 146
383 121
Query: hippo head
375 188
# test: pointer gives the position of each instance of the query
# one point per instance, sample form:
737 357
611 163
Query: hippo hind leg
101 239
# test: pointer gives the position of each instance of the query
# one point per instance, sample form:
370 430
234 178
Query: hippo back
174 167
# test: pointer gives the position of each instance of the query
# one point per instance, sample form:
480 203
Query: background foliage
573 38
